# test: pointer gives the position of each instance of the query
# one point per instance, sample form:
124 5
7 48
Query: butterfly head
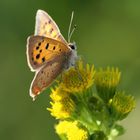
73 56
72 46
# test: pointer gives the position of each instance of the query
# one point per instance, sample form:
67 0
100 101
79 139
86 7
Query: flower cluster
84 113
75 80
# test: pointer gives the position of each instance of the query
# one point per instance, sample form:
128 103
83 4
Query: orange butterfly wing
41 50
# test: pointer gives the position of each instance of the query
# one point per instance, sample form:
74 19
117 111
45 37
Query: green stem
86 117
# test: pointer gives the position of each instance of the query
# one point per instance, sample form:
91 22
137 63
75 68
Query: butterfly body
48 54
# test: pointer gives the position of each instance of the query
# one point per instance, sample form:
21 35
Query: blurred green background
108 33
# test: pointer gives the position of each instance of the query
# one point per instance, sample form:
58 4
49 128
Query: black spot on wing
49 21
51 30
37 56
43 59
37 47
47 46
54 48
39 43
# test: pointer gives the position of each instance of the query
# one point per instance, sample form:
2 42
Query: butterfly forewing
46 76
45 26
41 50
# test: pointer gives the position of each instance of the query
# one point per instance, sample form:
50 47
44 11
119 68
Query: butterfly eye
72 46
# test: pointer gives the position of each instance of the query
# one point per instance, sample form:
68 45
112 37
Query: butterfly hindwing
45 26
41 50
46 76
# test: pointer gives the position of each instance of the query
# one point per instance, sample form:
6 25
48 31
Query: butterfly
48 53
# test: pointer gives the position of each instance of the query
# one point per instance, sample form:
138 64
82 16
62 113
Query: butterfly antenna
69 31
72 32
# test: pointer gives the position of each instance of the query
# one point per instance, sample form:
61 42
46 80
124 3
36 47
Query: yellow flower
72 130
58 93
108 78
106 82
62 104
121 105
78 79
